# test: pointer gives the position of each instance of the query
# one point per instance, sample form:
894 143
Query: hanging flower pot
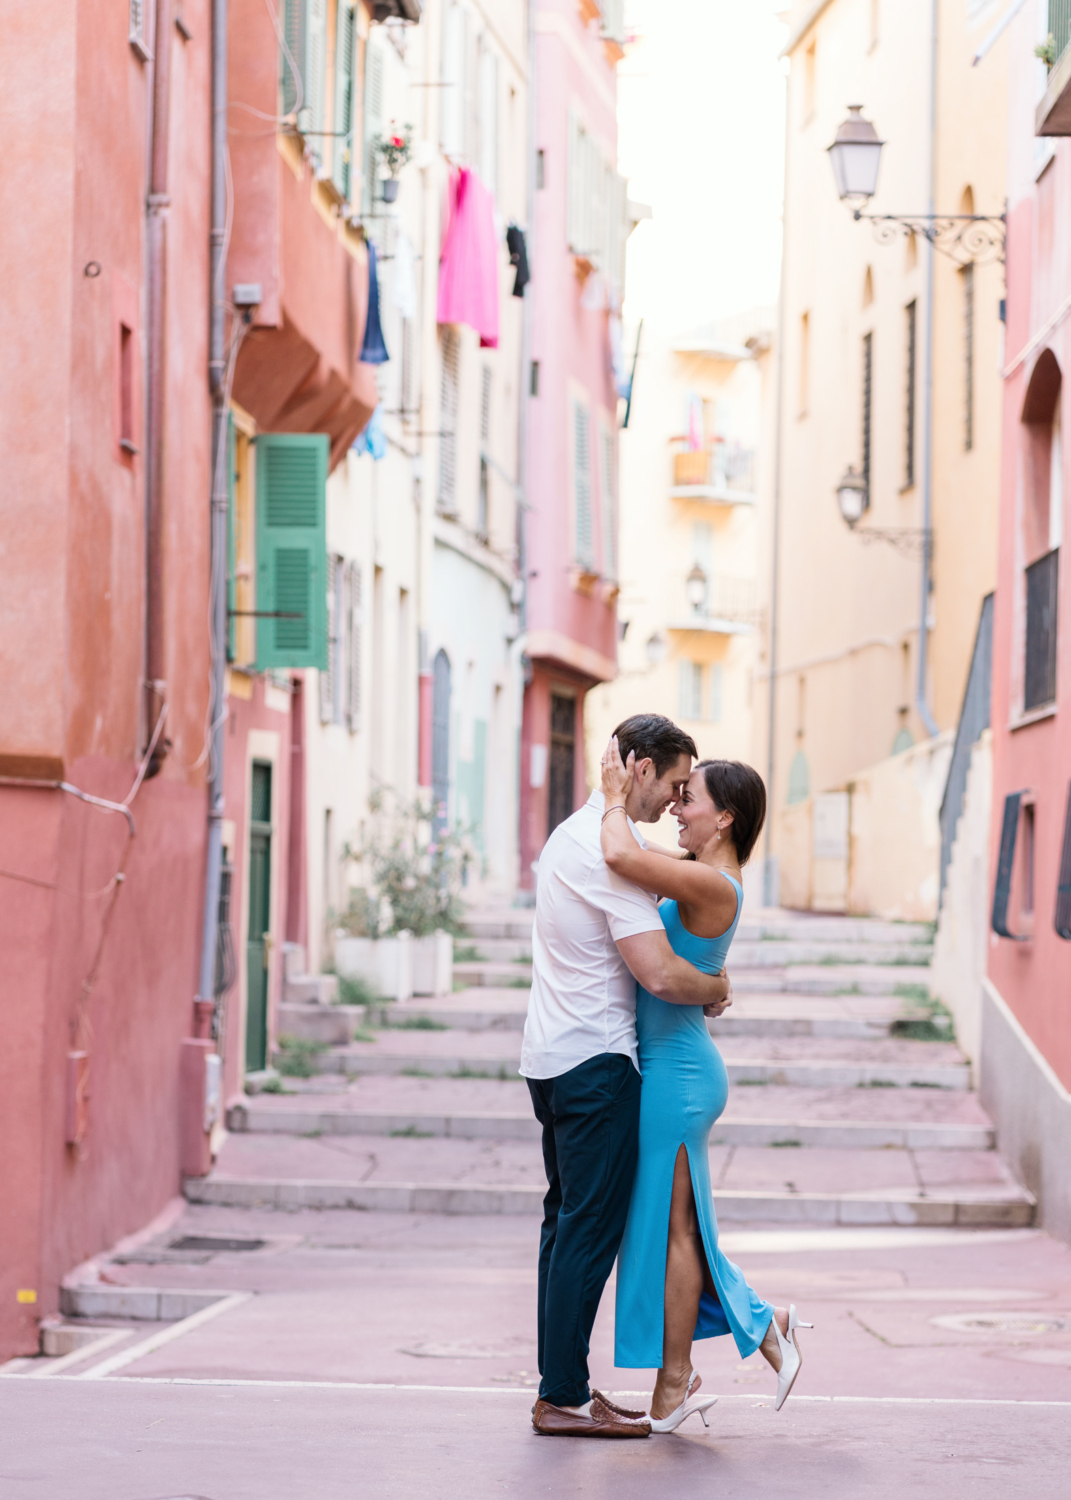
394 149
390 190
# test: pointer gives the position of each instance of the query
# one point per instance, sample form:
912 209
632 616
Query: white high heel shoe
690 1404
791 1358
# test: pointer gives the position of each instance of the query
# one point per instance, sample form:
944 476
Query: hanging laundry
518 256
372 439
695 423
620 371
468 269
374 350
403 291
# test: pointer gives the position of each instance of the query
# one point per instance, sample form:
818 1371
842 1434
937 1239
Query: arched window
1042 526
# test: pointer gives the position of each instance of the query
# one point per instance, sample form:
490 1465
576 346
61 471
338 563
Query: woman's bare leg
686 1274
769 1347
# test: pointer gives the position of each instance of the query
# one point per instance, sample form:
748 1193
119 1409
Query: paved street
347 1302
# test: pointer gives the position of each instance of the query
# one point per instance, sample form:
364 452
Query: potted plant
398 931
395 148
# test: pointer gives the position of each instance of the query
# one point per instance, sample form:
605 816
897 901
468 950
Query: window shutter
295 32
330 680
609 510
488 108
373 116
345 56
451 102
448 424
582 483
715 692
1005 865
691 690
315 74
353 636
292 549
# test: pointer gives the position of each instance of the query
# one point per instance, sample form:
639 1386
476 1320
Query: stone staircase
849 1102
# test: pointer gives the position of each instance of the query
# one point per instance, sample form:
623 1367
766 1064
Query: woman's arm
681 879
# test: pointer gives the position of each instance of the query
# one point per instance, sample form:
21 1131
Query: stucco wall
959 953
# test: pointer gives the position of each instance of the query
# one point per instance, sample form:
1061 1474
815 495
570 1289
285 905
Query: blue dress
685 1088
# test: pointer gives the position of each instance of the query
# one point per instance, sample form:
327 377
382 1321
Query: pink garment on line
468 268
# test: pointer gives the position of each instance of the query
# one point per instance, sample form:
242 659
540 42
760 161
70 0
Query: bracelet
617 807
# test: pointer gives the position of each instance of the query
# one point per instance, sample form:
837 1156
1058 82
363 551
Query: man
595 936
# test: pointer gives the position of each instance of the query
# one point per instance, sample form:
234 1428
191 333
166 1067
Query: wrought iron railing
728 598
1042 579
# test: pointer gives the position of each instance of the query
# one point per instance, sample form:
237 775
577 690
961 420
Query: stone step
774 925
334 1025
489 1009
490 974
813 1062
263 1116
905 1208
807 979
137 1303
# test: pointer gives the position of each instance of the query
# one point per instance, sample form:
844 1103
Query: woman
673 1283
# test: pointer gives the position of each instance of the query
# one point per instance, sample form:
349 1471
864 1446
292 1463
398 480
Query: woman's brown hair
737 789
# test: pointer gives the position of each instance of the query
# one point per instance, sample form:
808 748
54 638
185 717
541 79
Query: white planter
433 964
385 963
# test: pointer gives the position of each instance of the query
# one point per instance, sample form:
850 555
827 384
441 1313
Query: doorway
258 941
562 760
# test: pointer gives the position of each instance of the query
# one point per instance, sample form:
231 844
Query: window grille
911 312
448 424
1060 25
1042 579
331 679
1005 866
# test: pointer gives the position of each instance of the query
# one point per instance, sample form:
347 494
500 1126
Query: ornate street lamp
855 157
697 589
853 496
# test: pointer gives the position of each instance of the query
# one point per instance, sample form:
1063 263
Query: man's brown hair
656 737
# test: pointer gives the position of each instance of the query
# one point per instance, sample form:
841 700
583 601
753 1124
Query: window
967 279
1062 920
448 423
484 497
809 80
1013 889
331 680
488 117
353 635
291 550
138 35
715 692
407 380
126 389
582 485
868 374
911 334
451 95
373 116
562 788
1042 579
345 70
805 363
595 205
691 690
609 509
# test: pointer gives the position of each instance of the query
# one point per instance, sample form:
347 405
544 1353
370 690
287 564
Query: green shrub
358 992
297 1056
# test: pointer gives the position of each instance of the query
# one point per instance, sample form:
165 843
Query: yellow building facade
890 360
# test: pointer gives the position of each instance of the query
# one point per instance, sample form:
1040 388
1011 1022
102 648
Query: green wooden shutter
345 54
295 30
292 549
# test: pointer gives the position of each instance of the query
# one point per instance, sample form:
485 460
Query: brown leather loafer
621 1411
603 1422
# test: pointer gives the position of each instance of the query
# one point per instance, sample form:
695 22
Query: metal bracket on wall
965 238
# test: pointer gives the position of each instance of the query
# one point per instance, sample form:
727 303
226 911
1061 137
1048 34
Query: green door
258 944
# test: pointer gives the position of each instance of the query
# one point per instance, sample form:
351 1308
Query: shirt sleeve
628 909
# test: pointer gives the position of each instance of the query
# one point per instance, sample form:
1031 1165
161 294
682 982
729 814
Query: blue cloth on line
372 439
374 350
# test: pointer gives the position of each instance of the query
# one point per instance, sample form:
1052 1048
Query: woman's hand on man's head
617 776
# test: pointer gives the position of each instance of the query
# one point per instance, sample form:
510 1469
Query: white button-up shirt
583 1000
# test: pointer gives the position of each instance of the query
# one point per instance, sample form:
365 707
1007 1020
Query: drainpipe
218 568
922 706
158 206
775 550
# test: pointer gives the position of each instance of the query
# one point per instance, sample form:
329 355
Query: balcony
721 475
1053 114
718 605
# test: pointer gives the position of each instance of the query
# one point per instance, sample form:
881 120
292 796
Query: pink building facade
570 532
1026 1021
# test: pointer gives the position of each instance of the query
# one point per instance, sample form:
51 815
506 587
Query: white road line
164 1336
56 1367
481 1390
